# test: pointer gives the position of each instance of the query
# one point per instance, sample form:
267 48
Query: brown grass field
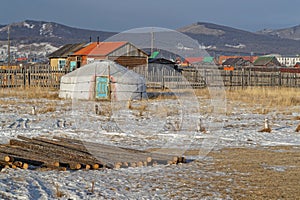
261 173
29 93
268 96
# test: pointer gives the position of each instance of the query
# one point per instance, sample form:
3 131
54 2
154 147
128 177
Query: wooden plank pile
60 153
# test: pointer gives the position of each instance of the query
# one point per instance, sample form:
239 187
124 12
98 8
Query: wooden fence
37 76
216 77
43 76
256 77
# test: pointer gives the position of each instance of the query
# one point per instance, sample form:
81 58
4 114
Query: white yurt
103 80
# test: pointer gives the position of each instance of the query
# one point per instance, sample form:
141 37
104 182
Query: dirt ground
260 173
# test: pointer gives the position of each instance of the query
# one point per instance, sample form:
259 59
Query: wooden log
3 163
21 164
51 167
62 162
26 155
72 148
117 165
96 166
25 166
5 157
139 155
125 154
140 164
161 157
74 166
146 163
35 150
114 153
75 147
8 159
13 166
8 165
72 153
63 155
125 164
132 164
91 145
87 167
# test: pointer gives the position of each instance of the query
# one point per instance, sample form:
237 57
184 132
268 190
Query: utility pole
8 45
152 42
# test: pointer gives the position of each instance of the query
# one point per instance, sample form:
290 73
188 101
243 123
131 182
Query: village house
267 61
159 64
123 53
288 61
235 62
59 59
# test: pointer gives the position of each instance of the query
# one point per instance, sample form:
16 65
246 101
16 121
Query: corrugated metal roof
208 59
265 60
194 59
100 49
66 50
236 62
154 54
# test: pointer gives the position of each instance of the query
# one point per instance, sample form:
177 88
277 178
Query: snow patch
47 30
239 46
203 47
30 26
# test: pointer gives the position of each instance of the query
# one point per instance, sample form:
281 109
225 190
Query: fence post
249 77
163 79
243 73
279 79
24 77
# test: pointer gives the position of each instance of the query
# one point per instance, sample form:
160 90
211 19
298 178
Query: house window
72 65
61 64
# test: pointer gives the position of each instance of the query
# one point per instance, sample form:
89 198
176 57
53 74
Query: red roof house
123 52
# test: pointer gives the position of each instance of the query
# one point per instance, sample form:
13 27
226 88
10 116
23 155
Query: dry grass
267 96
58 192
48 108
203 93
263 173
139 106
260 100
263 99
29 93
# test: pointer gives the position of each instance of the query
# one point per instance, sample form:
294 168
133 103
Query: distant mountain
30 31
226 40
36 39
288 33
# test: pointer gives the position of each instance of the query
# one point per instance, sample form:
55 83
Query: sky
122 15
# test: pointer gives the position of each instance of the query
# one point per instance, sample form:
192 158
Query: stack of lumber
62 153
